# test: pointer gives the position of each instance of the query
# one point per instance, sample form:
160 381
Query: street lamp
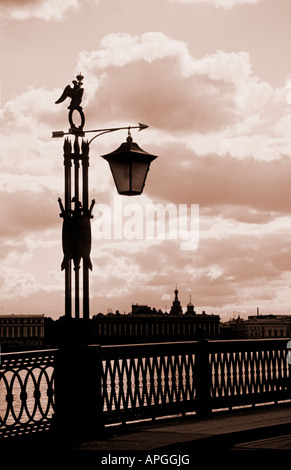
129 165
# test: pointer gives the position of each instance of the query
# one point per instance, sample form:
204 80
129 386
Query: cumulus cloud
31 177
157 78
222 181
219 274
26 212
237 264
42 9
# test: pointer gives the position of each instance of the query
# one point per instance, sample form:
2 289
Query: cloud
31 164
42 9
16 282
27 212
155 77
257 187
119 49
218 274
243 264
29 157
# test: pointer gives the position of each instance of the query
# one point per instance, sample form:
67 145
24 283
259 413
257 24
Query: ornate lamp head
129 165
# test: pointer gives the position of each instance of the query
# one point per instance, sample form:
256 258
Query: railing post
203 377
78 397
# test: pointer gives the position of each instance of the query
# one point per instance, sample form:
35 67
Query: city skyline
212 80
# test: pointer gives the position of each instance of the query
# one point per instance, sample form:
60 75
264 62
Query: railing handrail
213 341
147 347
31 352
156 344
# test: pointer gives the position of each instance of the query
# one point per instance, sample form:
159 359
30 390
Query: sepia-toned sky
212 80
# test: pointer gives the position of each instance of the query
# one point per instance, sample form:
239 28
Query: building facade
21 331
145 325
260 326
149 328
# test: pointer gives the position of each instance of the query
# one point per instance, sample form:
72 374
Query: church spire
190 307
176 294
176 308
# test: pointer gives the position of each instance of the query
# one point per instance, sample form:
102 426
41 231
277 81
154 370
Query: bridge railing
248 372
146 381
26 392
81 389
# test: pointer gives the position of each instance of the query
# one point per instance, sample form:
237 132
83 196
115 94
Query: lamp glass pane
120 172
139 172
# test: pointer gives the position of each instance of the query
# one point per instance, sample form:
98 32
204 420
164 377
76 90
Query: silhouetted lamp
129 165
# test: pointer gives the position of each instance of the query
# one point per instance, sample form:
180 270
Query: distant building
142 328
144 324
190 308
260 326
21 331
137 309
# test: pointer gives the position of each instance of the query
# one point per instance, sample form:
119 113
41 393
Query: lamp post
129 165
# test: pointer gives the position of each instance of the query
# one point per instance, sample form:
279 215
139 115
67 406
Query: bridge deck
222 431
263 429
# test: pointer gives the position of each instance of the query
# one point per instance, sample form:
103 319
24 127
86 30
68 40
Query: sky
212 80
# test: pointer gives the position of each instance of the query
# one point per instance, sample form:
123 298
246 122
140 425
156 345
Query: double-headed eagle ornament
75 93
